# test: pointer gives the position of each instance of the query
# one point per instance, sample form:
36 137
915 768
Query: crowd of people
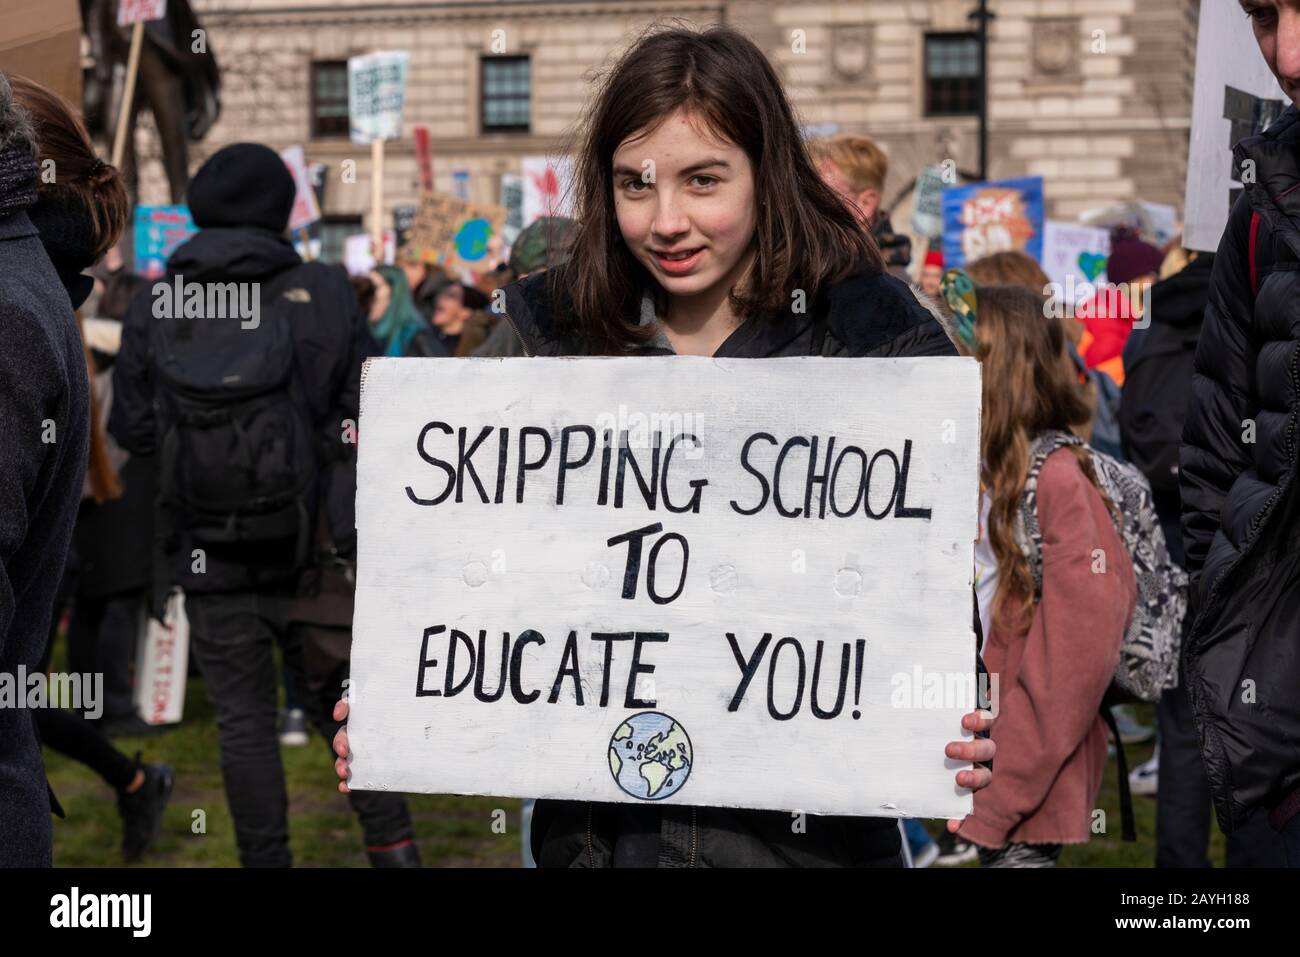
219 459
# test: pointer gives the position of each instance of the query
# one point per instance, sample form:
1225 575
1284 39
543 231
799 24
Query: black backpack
237 448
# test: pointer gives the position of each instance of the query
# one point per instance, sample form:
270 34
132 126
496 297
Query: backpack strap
1031 538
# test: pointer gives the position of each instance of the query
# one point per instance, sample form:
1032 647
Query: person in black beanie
45 412
241 495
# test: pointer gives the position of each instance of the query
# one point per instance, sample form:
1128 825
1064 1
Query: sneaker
293 728
1143 778
953 850
1130 731
142 811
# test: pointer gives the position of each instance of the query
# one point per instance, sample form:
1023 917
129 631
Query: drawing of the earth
650 756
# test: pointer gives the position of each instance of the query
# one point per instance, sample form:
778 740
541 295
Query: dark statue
178 83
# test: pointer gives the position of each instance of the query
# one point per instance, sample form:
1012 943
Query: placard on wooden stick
701 581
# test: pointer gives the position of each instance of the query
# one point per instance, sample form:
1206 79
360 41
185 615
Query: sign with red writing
134 11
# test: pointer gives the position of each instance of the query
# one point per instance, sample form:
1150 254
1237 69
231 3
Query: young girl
1053 656
704 229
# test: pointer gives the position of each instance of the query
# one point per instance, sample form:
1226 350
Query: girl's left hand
975 750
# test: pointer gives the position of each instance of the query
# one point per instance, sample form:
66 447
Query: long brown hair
1029 387
805 237
79 176
1016 268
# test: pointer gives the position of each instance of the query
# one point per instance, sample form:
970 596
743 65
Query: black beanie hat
244 184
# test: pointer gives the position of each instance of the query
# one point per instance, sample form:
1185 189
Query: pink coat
1051 678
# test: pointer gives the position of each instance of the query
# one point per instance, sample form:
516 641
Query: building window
333 231
506 94
952 74
329 98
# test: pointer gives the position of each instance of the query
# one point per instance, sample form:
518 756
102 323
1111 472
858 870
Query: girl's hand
976 750
341 745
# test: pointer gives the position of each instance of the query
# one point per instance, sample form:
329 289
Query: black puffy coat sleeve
131 415
1224 397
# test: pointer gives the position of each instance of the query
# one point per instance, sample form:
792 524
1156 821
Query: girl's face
450 313
686 207
383 296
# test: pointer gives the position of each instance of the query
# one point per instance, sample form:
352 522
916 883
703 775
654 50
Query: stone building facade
1094 95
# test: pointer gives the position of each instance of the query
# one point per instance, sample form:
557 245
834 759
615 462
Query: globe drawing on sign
472 239
650 756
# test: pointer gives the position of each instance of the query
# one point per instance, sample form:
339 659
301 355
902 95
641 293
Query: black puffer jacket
867 315
1240 507
1158 365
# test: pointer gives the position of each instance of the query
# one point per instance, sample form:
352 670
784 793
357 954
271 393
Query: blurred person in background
113 539
542 245
1101 430
1109 316
394 318
856 168
932 275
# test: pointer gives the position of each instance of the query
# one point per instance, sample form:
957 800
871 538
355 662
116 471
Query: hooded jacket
330 341
1159 362
865 315
1240 507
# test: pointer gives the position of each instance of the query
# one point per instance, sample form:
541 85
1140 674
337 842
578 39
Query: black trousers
232 636
72 735
1183 800
102 638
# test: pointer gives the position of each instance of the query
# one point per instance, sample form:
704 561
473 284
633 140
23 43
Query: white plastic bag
162 664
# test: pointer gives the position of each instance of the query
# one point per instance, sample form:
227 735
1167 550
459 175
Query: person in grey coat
45 428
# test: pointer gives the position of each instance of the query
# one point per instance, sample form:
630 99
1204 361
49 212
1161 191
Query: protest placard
359 255
980 219
927 202
512 199
158 231
376 95
1235 96
137 11
701 581
1074 258
305 208
453 233
547 187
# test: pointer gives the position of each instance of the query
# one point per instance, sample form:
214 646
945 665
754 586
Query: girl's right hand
341 745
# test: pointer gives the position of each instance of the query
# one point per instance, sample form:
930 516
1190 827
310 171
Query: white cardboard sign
376 95
1235 96
528 625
